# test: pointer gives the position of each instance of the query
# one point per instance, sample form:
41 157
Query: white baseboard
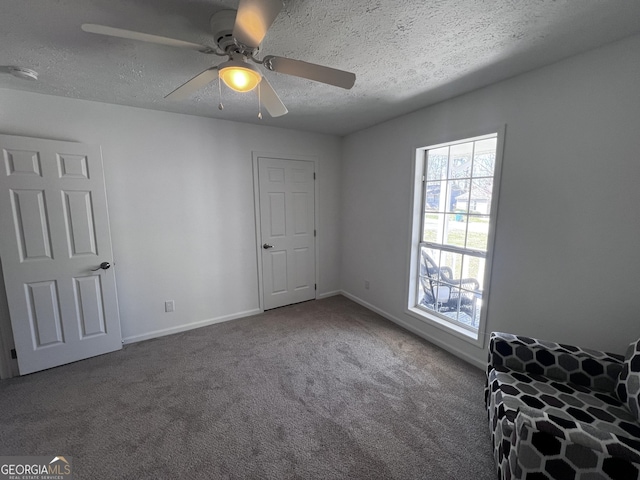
203 323
328 294
188 326
458 353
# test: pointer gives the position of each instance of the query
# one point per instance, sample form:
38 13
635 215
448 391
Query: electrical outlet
169 306
366 285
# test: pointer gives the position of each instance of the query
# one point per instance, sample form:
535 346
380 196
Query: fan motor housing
222 24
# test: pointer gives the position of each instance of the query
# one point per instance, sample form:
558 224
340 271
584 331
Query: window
454 212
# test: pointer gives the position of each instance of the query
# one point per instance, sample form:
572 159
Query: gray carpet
320 390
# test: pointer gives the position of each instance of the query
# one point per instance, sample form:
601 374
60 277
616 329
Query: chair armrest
446 272
470 284
466 283
565 363
543 443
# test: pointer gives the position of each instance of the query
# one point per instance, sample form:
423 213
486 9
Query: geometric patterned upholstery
554 413
628 388
566 401
565 363
565 449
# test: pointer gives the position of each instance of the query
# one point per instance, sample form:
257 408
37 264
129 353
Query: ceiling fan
237 36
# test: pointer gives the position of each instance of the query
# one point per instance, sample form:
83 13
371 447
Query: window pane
478 232
432 291
484 160
473 272
455 229
440 265
481 191
461 196
469 304
430 258
433 227
471 291
457 195
437 163
460 160
435 295
441 292
446 287
434 196
451 267
424 297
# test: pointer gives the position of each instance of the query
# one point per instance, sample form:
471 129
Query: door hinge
315 286
423 178
314 175
314 233
14 354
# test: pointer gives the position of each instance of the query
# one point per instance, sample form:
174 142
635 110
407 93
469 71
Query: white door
54 235
287 225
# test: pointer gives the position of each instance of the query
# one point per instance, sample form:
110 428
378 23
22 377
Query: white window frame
413 264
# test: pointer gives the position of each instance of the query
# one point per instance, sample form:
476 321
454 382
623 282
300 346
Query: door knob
103 266
266 246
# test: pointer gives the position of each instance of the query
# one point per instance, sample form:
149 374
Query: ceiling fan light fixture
239 76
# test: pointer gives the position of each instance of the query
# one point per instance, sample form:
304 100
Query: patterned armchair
562 412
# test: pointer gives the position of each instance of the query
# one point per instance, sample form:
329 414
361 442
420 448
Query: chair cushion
628 388
513 390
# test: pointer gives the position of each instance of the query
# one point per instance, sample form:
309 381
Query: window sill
472 337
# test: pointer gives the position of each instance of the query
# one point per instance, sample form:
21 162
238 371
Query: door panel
30 224
287 222
54 231
300 217
73 166
22 162
78 214
89 305
279 276
44 313
277 215
301 257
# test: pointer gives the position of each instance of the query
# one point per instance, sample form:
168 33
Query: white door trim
256 202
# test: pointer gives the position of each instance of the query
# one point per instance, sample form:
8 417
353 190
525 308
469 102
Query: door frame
255 155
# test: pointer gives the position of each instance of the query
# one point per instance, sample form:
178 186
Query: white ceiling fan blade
144 37
254 19
196 83
270 100
22 73
311 71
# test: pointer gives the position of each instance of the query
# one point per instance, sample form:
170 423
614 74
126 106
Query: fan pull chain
220 105
259 103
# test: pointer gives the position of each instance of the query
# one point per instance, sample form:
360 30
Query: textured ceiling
406 54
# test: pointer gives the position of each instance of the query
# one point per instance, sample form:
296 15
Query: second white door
287 225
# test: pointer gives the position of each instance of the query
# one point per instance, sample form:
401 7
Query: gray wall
181 203
566 265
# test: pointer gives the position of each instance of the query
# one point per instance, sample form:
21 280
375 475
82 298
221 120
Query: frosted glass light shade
239 76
